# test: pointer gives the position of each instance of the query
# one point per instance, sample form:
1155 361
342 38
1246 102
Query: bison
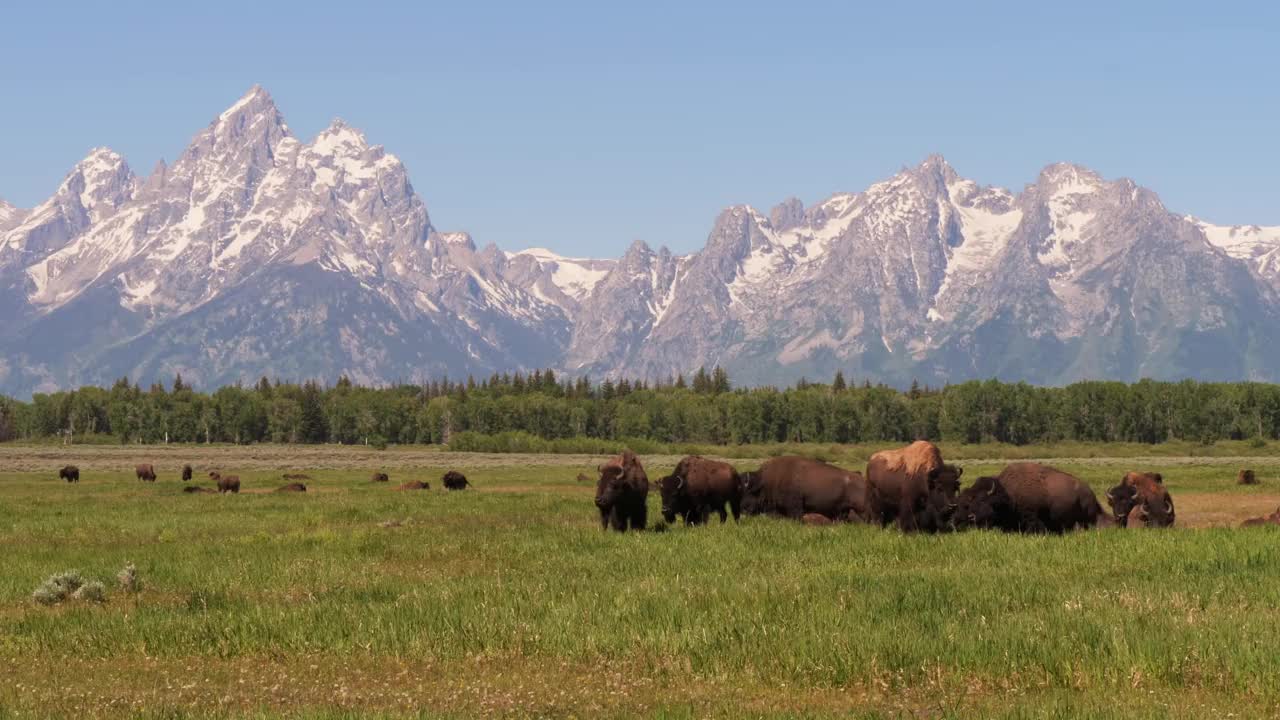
987 505
816 519
622 492
792 487
379 477
197 489
915 488
226 483
291 488
70 473
186 473
1247 477
296 476
1272 519
1049 500
415 485
454 480
1145 491
698 487
146 471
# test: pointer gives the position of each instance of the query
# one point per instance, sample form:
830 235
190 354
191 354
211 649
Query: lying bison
454 480
146 471
415 485
914 487
226 483
296 476
379 477
1141 497
197 489
1247 477
793 487
290 488
70 473
1045 499
186 473
987 505
698 487
621 493
1272 519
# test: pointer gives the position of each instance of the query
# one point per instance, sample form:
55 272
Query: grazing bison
454 480
1049 500
1145 491
70 473
186 473
291 488
146 471
621 493
226 483
914 487
197 489
379 477
1247 477
793 487
698 487
415 485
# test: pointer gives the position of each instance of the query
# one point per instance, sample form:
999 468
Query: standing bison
915 488
793 487
1141 497
454 480
186 473
70 473
621 493
226 483
1048 500
146 471
698 487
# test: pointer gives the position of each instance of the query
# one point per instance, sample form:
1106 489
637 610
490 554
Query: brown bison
186 473
296 476
622 492
70 473
1049 500
986 505
1247 477
226 483
415 485
1145 491
914 487
197 489
792 487
292 488
146 471
698 487
379 477
454 480
1272 519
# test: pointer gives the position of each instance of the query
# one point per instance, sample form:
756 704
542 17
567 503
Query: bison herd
453 480
911 488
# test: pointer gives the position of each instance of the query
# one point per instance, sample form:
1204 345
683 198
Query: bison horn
1168 506
992 491
679 483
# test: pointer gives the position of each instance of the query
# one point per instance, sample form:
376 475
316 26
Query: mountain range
257 253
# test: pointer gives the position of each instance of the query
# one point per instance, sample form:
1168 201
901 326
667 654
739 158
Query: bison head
983 504
1141 497
752 486
675 496
609 485
944 484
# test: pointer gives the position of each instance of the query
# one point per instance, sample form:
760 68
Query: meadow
507 600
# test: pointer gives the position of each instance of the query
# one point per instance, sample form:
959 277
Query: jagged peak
787 214
339 137
257 99
1069 177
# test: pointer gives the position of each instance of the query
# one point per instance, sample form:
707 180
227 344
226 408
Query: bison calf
454 480
70 473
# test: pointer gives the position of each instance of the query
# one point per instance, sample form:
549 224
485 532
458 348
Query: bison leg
604 519
617 519
640 517
735 506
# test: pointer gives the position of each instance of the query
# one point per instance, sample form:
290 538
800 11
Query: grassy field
356 600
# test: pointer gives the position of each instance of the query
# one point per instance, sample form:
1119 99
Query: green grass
509 600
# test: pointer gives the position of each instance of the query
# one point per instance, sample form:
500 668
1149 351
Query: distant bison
415 485
1141 496
1272 519
146 471
292 487
622 492
792 487
914 487
197 489
226 483
1049 500
379 477
296 476
186 473
698 487
70 473
1247 477
454 480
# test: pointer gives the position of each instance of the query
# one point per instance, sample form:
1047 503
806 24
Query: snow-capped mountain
259 253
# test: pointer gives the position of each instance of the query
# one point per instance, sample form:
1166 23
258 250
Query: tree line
704 409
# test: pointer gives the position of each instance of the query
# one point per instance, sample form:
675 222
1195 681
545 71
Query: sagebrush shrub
91 591
128 579
58 587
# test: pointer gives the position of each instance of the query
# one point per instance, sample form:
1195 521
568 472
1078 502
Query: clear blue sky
583 126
